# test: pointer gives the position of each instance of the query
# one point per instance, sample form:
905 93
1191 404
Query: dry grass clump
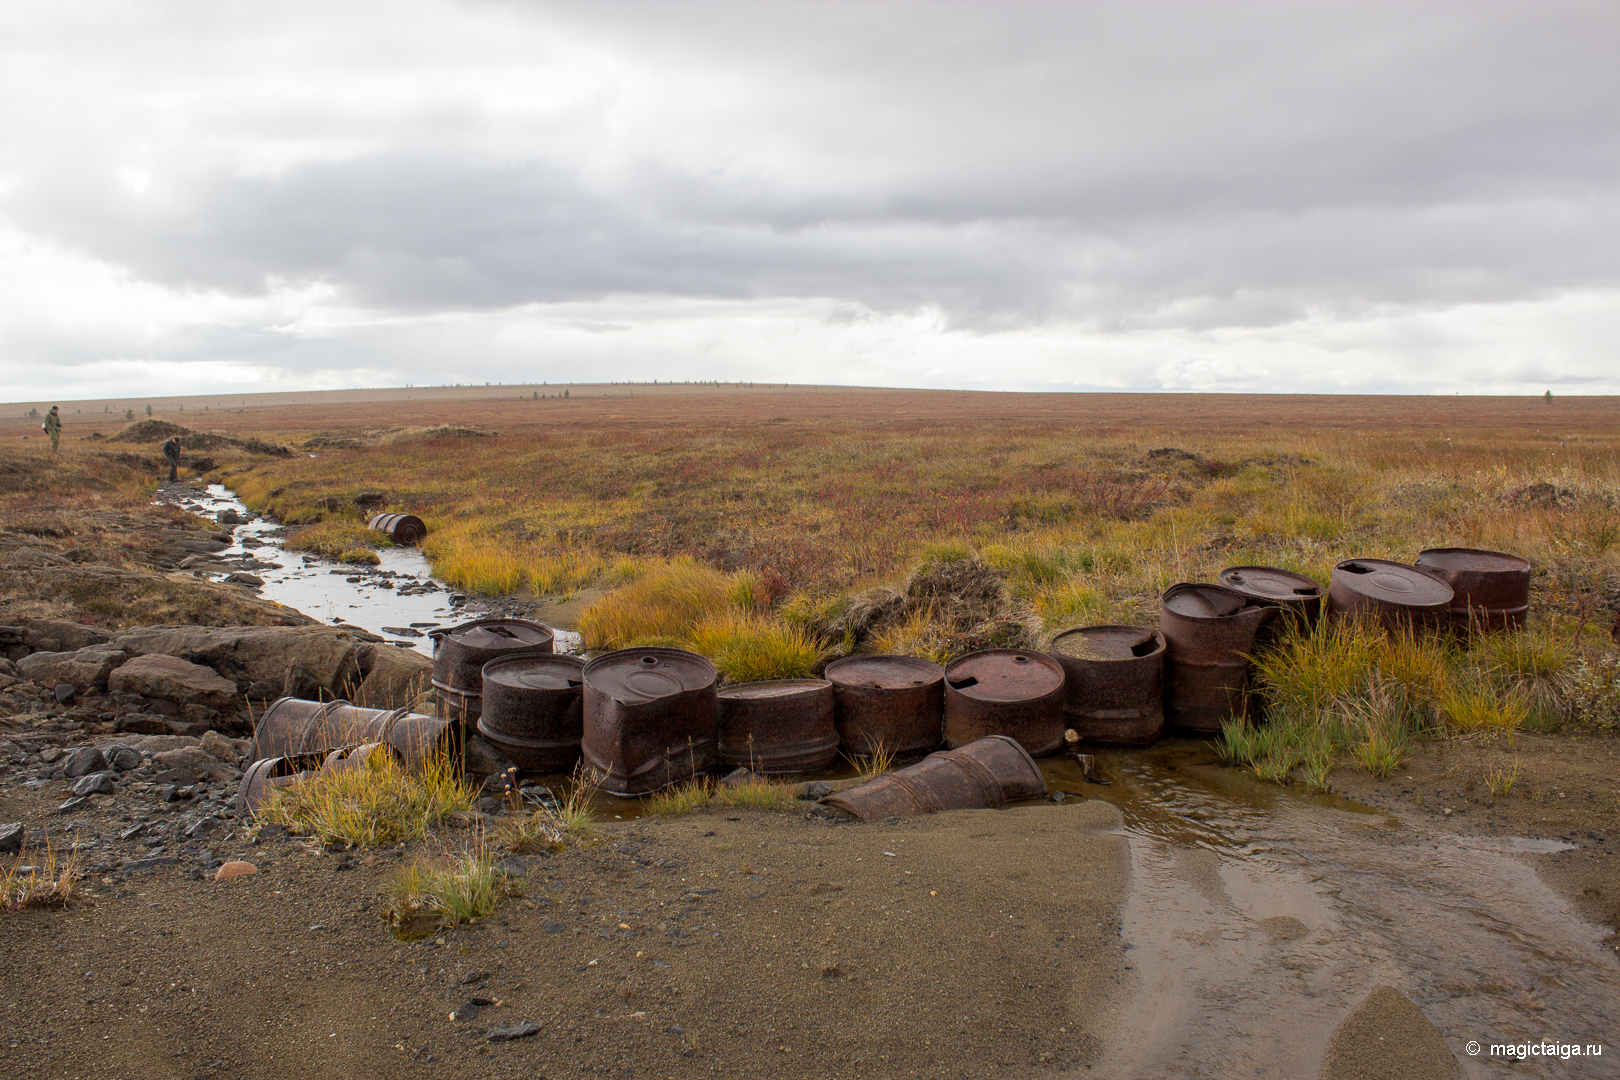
444 894
49 882
551 828
754 793
747 647
345 541
666 602
382 803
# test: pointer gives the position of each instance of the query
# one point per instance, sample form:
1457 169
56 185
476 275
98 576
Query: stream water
1258 916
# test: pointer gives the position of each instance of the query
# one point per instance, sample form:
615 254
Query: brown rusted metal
1208 634
354 758
984 774
651 718
1012 692
895 704
534 709
778 726
1490 589
1397 595
1293 601
1114 692
403 529
460 653
292 727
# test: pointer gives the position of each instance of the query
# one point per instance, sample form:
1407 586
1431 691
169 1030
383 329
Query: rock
736 778
392 678
228 516
122 758
98 783
220 747
85 670
240 578
84 761
157 744
78 802
194 761
52 754
49 635
135 866
8 668
467 1010
173 679
234 869
63 692
141 724
11 838
507 1032
402 631
263 661
816 789
203 826
481 759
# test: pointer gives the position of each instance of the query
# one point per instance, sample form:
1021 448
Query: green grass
445 894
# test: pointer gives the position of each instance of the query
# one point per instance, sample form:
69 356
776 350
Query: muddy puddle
398 599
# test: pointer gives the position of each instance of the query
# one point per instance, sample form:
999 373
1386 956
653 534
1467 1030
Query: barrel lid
773 688
535 671
1108 643
1005 675
1198 601
1393 582
1473 560
884 672
633 676
1270 583
496 635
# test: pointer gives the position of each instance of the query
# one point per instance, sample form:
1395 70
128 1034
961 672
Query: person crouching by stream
171 450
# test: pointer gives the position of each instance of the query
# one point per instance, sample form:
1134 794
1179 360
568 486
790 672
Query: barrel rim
1345 579
1293 575
1515 564
1186 586
809 686
597 663
1153 632
568 660
443 633
1037 656
928 667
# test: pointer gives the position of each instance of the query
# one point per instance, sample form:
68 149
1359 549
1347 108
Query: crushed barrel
985 774
1013 692
1209 632
402 529
1490 589
778 726
889 704
651 718
1397 595
294 727
533 709
1293 601
1114 687
460 653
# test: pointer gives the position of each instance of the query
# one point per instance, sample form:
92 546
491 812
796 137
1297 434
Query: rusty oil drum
1490 589
1013 692
460 653
534 709
778 726
893 703
985 774
402 529
1294 601
1397 595
294 727
1114 691
1209 632
651 718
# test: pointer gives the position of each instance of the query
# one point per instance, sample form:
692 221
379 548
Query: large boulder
85 669
173 679
23 636
393 678
264 662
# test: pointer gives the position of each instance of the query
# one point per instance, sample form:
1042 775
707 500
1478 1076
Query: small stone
52 754
64 693
736 778
1059 796
78 802
122 758
11 837
83 761
507 1032
97 783
817 789
203 826
473 977
218 746
148 863
234 869
674 1029
464 1012
553 927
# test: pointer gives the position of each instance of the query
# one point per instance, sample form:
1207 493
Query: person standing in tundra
171 450
53 426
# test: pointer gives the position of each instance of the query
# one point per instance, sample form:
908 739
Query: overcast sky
1297 196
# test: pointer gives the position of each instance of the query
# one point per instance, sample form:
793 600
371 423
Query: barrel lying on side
981 775
893 704
1012 692
1397 595
533 709
460 653
403 529
1292 601
651 718
1114 687
1490 589
1208 633
778 726
293 727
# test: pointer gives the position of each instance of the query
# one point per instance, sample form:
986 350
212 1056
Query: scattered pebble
234 869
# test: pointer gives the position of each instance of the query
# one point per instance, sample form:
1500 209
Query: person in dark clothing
171 450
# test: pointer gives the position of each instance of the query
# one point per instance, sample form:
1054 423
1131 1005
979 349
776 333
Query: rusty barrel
267 774
293 727
460 653
1114 686
778 726
1396 594
1013 692
984 774
1209 633
1490 589
891 703
403 529
1292 601
534 709
651 718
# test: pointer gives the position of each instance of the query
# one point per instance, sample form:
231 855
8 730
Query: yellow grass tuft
666 601
748 648
39 880
383 803
430 896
